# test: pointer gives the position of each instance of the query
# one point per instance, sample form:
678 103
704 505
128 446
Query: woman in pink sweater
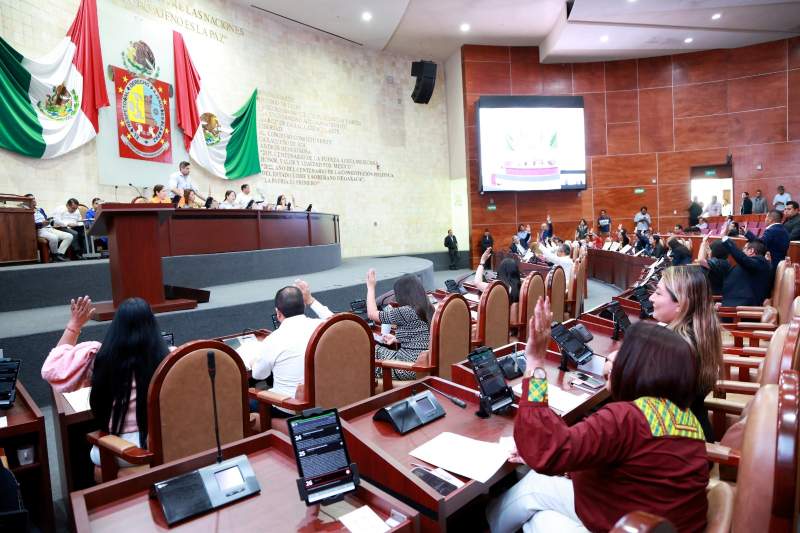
118 370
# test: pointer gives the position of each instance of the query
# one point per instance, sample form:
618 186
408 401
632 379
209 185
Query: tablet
321 454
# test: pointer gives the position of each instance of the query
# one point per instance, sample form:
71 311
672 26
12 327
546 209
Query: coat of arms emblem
60 104
211 129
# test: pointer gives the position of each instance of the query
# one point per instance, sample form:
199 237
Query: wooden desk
463 374
382 454
615 268
123 505
17 231
26 429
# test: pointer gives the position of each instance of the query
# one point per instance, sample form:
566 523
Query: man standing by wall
695 210
451 243
747 204
487 241
779 202
759 203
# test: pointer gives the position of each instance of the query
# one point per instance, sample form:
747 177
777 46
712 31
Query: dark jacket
681 255
718 270
747 206
792 225
694 213
450 242
776 239
486 242
748 282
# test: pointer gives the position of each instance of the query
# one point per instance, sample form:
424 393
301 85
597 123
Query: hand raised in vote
486 255
538 334
305 289
371 278
80 310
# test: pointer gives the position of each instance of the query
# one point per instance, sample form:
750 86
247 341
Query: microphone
212 372
458 401
135 188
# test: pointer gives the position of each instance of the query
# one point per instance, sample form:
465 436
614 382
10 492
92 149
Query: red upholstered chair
493 316
573 305
556 285
180 419
339 370
532 289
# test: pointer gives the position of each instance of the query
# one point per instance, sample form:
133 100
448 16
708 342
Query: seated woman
680 254
622 237
412 320
682 300
160 195
230 201
582 230
508 273
283 203
189 200
119 370
642 451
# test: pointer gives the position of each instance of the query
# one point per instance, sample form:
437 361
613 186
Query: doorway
705 189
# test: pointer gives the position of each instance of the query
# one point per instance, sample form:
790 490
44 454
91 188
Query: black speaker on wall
425 72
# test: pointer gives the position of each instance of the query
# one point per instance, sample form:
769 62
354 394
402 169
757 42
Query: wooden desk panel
194 231
18 242
26 429
123 505
615 268
382 454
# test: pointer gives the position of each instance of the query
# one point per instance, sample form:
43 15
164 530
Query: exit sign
492 207
711 172
638 190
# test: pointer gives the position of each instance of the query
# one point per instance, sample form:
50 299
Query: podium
134 257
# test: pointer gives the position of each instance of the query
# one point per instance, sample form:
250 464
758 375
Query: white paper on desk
473 315
79 399
3 421
559 401
248 351
363 520
456 454
472 297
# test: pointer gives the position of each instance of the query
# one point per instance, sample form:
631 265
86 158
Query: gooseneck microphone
212 373
458 401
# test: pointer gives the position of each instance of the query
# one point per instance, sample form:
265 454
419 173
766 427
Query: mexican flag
48 106
225 145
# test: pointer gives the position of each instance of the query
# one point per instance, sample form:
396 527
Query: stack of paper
79 399
472 297
364 520
456 454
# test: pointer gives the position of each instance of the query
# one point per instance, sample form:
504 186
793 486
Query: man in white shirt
780 199
58 241
642 219
243 199
560 257
180 181
714 209
67 218
283 352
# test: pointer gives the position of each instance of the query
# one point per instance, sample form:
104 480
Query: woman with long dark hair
642 451
119 370
411 320
507 272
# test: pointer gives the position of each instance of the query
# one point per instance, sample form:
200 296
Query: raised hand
80 311
538 333
371 278
305 289
486 255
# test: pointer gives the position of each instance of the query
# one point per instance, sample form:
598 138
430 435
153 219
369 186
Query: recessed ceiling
593 30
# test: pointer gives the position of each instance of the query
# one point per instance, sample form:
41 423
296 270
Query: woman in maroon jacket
643 451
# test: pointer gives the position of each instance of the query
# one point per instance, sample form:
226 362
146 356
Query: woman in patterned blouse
412 320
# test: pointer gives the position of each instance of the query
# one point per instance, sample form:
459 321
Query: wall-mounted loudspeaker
425 72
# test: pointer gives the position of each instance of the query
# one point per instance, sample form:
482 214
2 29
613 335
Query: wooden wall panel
655 72
655 120
621 75
757 92
622 106
647 122
701 99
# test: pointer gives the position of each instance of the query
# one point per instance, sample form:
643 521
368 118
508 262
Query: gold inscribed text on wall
185 16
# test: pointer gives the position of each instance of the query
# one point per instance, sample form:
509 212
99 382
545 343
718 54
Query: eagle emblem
211 129
60 104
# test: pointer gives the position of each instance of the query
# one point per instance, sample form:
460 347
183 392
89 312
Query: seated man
58 241
560 257
283 353
747 283
68 218
775 237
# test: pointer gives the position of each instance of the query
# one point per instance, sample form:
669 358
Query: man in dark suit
451 243
747 283
775 238
791 220
747 204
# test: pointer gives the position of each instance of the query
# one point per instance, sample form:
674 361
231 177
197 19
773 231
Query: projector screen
531 143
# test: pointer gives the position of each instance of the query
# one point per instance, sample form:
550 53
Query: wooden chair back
180 412
785 295
340 366
532 289
556 285
451 329
493 315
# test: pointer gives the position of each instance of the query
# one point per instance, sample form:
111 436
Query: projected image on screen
531 143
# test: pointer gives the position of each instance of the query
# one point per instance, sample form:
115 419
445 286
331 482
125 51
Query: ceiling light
631 1
604 38
366 16
716 16
688 40
464 27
